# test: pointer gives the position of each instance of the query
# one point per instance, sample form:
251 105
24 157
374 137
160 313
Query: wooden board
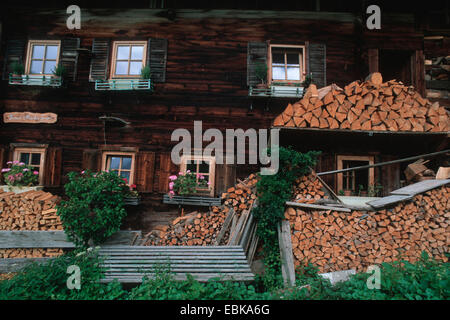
287 258
420 187
387 201
29 117
316 206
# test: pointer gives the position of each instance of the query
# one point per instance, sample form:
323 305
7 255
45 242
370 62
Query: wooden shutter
225 178
145 171
317 64
91 160
53 167
69 57
157 58
15 52
100 59
166 168
256 53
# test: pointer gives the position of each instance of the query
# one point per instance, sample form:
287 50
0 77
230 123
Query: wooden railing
35 80
277 91
123 84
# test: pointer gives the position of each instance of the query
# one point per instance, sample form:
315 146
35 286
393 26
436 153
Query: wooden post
287 258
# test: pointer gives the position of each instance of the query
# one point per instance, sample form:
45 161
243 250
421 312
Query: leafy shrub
273 192
427 279
48 281
163 286
17 68
94 210
20 174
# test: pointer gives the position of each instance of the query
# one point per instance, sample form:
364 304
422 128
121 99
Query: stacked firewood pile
203 228
32 210
335 240
308 189
372 105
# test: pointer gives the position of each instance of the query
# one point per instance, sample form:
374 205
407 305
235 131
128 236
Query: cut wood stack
308 189
203 228
31 210
372 105
339 241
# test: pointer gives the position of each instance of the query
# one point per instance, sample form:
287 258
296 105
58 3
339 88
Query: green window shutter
256 53
69 57
317 63
157 58
100 59
15 52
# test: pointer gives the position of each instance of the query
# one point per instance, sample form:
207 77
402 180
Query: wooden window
203 166
128 59
352 180
286 63
34 157
42 57
122 163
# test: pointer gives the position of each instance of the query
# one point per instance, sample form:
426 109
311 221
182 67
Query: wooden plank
234 232
387 201
197 201
225 226
420 187
16 264
54 239
287 257
317 206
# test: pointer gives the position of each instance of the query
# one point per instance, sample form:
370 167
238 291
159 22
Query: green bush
48 281
273 192
94 209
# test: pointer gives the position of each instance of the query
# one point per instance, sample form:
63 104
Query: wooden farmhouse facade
204 65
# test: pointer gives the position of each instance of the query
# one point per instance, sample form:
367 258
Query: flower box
131 201
20 189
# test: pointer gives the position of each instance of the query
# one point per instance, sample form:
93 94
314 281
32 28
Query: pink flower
26 170
180 173
133 186
15 162
21 164
82 172
171 185
208 183
174 177
201 177
6 169
171 193
35 172
188 171
9 162
125 180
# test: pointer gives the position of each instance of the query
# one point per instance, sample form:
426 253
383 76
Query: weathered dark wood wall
205 76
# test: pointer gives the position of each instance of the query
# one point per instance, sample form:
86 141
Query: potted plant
58 74
186 184
347 192
18 70
307 81
375 190
132 198
145 75
362 192
20 177
261 74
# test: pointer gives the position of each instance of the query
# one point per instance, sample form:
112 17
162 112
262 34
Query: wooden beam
316 206
287 257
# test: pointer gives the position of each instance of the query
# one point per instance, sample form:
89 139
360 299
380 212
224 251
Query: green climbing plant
273 192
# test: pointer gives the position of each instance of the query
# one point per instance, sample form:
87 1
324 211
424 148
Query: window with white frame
35 157
42 57
128 59
286 63
203 167
121 163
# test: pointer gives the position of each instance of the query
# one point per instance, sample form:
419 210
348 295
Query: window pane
135 67
278 73
137 52
121 67
36 66
204 167
292 58
293 73
49 67
38 52
52 52
278 58
123 52
114 163
35 158
125 174
191 166
126 163
25 158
